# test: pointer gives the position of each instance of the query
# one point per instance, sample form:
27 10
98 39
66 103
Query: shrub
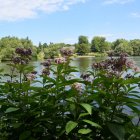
94 106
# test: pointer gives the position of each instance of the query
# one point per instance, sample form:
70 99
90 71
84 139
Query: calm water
82 64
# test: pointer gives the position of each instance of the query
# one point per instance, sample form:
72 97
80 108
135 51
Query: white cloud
11 10
117 1
135 15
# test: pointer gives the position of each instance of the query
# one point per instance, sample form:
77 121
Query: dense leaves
99 105
98 46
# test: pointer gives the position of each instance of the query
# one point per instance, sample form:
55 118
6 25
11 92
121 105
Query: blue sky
64 20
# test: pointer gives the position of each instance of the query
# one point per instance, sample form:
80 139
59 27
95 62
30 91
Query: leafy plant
102 104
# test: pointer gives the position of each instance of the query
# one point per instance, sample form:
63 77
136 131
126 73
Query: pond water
81 63
84 63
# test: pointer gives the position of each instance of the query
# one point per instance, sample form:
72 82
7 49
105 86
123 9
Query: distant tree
83 45
53 50
45 45
135 44
26 43
83 40
124 47
82 48
117 42
9 44
40 48
99 44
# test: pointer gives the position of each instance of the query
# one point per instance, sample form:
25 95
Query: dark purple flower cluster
85 77
66 52
115 65
23 56
34 72
47 63
60 60
46 72
23 52
19 60
77 86
16 60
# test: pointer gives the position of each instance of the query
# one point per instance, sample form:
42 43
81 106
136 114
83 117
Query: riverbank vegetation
101 104
97 47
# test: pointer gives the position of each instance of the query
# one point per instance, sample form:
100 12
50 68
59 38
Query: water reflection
84 64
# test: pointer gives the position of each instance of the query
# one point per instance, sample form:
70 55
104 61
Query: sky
58 21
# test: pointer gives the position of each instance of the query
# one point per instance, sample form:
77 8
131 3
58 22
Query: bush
64 107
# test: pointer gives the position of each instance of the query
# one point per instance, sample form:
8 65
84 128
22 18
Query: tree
83 45
40 48
9 44
83 40
99 44
124 48
45 45
53 50
135 44
117 42
82 48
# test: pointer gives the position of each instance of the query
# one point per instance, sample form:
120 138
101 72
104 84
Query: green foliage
9 44
124 47
11 109
87 107
118 130
53 50
82 49
99 44
135 44
83 45
83 40
40 56
65 107
117 42
70 126
84 131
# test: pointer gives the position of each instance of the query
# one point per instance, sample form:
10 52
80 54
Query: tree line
83 47
100 45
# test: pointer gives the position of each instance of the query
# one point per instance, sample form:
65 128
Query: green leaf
70 126
71 99
92 123
117 130
87 107
24 135
17 125
133 108
131 80
11 109
83 114
1 70
84 131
